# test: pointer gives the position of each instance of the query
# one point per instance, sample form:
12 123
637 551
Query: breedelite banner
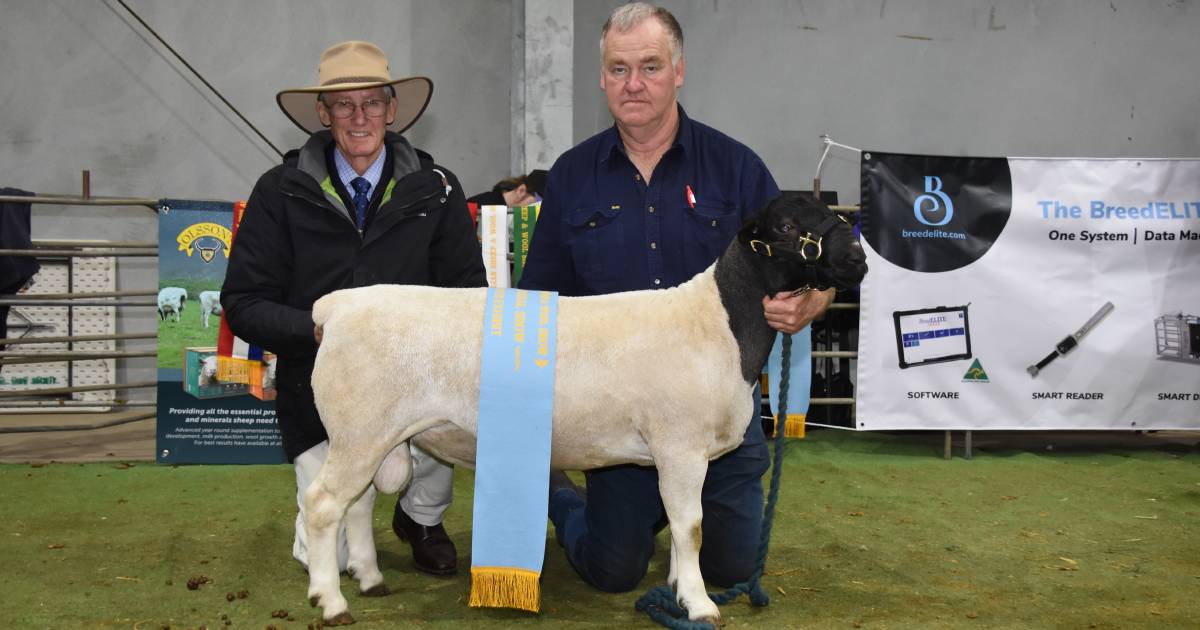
202 418
1029 293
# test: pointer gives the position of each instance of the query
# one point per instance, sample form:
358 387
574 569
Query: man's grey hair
630 15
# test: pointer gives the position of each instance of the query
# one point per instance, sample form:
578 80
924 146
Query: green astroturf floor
872 531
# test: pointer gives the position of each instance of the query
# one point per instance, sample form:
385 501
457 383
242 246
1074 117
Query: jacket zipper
323 206
422 199
361 236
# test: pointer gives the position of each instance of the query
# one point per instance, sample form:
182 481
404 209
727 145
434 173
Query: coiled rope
659 602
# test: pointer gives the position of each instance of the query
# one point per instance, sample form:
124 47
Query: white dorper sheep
208 371
268 376
170 302
658 378
210 304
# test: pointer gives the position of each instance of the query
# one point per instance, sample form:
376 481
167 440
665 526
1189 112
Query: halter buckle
807 243
754 244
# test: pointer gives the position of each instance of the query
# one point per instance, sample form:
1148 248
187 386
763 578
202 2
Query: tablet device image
932 335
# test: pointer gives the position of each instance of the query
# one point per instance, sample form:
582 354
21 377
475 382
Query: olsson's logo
205 238
936 199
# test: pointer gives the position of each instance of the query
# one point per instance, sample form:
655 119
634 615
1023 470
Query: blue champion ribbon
512 461
800 381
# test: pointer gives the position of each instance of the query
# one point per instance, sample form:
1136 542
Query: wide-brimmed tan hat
356 65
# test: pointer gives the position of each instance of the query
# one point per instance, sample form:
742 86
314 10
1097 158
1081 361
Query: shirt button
651 209
653 245
637 177
714 223
657 281
591 224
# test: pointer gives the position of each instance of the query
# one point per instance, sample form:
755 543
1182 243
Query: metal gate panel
75 275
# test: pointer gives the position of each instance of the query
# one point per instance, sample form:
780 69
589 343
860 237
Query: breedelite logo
975 374
933 214
205 238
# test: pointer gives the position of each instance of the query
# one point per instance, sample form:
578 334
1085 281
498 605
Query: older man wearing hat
357 205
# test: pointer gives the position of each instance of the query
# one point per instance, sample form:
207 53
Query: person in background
648 204
357 205
513 192
16 272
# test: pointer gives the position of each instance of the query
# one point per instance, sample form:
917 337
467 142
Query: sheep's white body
171 301
648 377
268 377
210 304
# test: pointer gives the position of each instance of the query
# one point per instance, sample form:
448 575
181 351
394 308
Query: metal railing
18 350
99 248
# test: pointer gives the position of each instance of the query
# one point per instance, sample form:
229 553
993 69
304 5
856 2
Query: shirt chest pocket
710 227
597 241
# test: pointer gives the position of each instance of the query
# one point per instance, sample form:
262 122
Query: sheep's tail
325 307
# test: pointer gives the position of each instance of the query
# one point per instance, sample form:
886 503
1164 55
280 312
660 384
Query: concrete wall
85 87
970 77
548 78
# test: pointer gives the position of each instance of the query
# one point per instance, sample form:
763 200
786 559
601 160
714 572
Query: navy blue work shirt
602 229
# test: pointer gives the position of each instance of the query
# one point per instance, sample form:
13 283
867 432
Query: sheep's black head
800 243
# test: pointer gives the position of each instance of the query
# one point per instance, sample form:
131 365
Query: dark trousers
610 538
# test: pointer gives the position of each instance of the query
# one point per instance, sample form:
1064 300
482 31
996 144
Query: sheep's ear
748 232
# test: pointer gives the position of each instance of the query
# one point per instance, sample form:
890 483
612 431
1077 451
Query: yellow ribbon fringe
793 427
506 587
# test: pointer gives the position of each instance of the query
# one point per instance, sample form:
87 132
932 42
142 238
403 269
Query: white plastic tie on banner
829 144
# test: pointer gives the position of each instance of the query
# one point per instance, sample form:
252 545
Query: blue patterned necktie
361 200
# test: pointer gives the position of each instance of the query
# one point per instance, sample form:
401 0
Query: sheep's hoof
379 590
313 601
340 619
713 620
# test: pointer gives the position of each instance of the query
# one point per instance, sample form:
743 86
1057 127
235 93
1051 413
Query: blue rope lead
659 602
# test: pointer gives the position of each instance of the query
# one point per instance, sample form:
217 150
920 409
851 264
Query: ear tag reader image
1070 341
932 335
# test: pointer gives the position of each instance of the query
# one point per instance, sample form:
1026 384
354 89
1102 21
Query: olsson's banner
204 417
1028 293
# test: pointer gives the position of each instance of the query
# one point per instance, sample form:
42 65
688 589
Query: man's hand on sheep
317 333
789 313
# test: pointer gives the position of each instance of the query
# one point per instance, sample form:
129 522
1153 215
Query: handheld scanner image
1070 341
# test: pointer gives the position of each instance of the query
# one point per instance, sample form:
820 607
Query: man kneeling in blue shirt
647 204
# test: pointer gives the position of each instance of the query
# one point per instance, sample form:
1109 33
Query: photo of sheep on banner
215 393
200 375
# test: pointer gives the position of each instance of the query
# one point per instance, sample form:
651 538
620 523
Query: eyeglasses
372 108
